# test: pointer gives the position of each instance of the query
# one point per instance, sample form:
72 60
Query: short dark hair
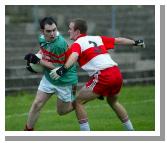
80 24
47 20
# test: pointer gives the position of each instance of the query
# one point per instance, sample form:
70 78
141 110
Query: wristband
61 71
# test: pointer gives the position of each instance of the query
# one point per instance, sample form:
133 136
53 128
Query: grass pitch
138 100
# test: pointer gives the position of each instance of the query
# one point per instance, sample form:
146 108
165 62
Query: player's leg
66 96
85 95
64 107
43 94
120 111
39 101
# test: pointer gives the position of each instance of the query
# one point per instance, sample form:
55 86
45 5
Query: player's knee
79 101
111 100
62 112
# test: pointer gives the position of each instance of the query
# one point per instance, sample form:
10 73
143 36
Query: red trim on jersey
45 52
90 53
76 48
57 61
68 53
48 55
108 42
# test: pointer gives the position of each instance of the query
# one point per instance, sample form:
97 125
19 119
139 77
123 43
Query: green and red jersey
55 52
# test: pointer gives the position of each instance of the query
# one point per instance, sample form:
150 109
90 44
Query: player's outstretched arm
126 41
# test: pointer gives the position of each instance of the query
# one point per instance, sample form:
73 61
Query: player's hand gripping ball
33 63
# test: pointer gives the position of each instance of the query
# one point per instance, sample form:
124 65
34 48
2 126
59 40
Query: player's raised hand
140 43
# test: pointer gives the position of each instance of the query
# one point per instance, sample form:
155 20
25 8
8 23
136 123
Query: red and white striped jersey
93 54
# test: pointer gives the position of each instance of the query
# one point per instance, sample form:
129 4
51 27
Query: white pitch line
87 107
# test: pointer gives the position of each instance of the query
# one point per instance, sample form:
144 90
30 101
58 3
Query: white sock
128 126
84 127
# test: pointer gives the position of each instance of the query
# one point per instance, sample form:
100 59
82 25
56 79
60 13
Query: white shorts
64 93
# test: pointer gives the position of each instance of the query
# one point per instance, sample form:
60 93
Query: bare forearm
46 64
71 60
124 41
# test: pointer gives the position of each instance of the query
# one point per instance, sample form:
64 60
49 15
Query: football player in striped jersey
91 52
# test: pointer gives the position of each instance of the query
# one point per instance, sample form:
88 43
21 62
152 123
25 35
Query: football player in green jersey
54 50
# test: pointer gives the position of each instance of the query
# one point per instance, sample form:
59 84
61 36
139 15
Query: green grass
138 100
